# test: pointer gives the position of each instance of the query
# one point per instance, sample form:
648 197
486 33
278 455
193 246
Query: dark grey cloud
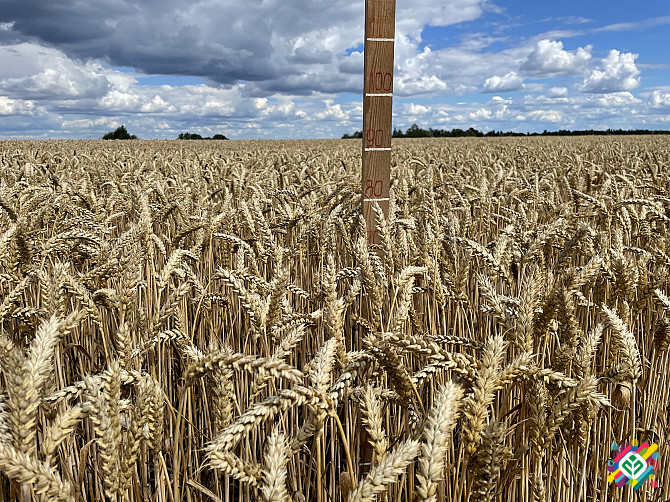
352 64
225 42
306 55
276 44
62 22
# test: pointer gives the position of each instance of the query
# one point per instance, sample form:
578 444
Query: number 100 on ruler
377 108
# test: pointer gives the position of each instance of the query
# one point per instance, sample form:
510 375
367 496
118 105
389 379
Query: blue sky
293 68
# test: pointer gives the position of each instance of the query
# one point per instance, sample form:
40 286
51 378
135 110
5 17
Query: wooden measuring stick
377 109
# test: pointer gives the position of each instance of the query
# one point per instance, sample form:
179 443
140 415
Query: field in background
205 321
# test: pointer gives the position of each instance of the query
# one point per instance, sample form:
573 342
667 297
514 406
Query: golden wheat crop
207 321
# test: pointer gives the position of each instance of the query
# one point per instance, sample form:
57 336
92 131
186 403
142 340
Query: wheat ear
584 392
274 474
28 470
385 472
60 428
626 346
334 309
26 378
254 415
262 365
5 435
372 419
476 404
441 420
488 463
229 463
105 415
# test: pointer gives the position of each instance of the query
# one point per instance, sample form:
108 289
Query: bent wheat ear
60 428
665 301
173 266
265 410
626 344
585 392
262 365
389 360
27 469
385 472
229 463
10 301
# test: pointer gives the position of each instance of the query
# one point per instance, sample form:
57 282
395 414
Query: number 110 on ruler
377 109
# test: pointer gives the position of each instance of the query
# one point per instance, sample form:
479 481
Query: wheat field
206 321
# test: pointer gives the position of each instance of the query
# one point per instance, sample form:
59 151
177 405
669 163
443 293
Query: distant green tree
355 135
414 131
192 135
189 135
119 133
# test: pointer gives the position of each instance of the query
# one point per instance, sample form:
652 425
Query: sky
294 68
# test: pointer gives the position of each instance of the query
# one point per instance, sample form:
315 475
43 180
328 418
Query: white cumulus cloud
615 100
616 73
558 92
549 59
38 73
10 106
545 116
659 99
481 114
415 109
157 105
508 82
407 86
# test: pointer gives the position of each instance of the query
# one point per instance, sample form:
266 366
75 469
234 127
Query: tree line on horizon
190 135
122 133
414 131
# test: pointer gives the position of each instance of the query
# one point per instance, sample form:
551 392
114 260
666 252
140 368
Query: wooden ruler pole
377 109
